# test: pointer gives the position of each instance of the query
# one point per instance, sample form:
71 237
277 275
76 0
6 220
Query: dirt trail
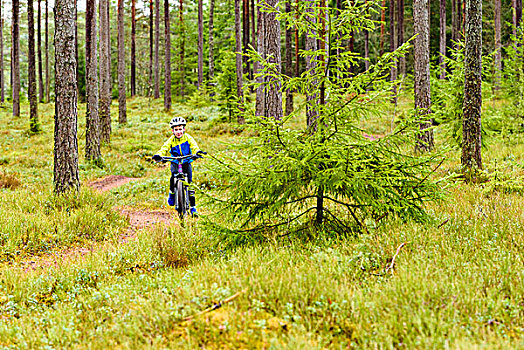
138 219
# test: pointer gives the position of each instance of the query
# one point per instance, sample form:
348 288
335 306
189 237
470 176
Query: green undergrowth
455 283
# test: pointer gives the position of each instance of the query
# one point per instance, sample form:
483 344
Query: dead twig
216 306
442 224
392 265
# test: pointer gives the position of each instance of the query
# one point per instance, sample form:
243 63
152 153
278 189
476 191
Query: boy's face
178 131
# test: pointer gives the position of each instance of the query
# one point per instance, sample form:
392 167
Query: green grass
457 282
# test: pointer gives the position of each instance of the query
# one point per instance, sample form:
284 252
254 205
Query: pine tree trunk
92 118
200 45
211 43
15 60
151 45
273 52
167 58
442 41
47 74
421 71
105 74
393 45
122 112
471 127
31 70
39 41
400 36
253 32
311 63
454 21
514 16
498 46
133 48
246 36
297 46
289 61
2 85
66 146
518 13
260 105
382 26
182 47
238 50
157 49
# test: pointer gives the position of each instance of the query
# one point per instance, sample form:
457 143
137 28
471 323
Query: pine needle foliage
333 178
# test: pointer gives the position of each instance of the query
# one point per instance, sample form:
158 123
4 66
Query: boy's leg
188 169
171 198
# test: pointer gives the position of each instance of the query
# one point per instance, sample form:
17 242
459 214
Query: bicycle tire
181 207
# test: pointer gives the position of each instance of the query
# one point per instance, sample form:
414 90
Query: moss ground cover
457 282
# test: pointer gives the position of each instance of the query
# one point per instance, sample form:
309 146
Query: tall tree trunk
211 42
80 93
442 61
31 69
200 45
393 45
514 16
66 146
182 46
133 48
238 50
260 105
454 21
151 45
47 74
246 36
157 49
122 112
253 32
400 36
15 72
382 26
518 13
498 45
2 85
422 86
289 61
40 68
297 49
273 53
311 64
471 127
105 73
167 58
92 118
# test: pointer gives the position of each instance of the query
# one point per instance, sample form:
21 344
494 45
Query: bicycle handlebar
194 156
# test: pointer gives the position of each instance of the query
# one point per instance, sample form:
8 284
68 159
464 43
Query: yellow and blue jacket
183 146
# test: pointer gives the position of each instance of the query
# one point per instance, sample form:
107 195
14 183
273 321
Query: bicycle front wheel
181 207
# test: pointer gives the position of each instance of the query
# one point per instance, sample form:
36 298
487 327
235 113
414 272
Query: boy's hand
157 157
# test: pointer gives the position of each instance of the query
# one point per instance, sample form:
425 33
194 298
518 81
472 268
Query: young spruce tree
333 179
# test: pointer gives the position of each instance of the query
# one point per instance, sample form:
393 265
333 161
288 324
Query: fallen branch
390 267
216 306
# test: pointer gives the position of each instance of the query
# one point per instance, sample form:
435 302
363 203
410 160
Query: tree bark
47 74
211 42
382 28
182 47
157 49
122 112
311 64
151 45
167 58
498 46
105 73
92 117
297 48
393 45
31 70
442 41
39 45
518 13
289 61
260 105
421 68
246 37
2 84
471 127
15 60
238 50
200 45
400 36
133 48
66 146
273 54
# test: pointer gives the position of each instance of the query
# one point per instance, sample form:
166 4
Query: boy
179 144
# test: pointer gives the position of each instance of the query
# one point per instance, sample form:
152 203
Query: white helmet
177 121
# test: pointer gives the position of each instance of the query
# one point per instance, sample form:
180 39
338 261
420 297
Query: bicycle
182 203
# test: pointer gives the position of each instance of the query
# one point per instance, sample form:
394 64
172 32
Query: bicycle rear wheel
182 204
